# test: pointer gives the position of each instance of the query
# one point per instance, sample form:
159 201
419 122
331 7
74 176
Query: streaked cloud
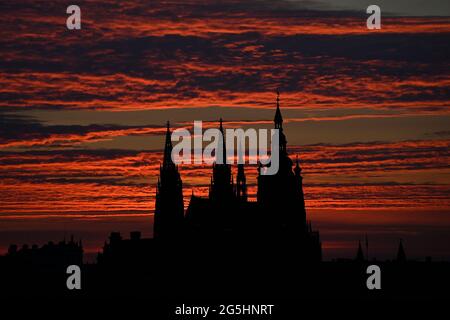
82 114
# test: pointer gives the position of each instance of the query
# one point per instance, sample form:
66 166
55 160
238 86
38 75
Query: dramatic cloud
377 175
82 113
146 55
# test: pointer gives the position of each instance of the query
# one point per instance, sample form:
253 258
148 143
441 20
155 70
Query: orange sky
82 113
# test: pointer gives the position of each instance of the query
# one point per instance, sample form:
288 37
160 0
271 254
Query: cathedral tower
241 181
169 206
221 189
281 194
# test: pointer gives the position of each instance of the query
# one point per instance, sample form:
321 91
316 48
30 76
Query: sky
83 112
398 7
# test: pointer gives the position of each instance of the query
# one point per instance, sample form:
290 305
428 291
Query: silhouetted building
133 251
63 253
277 217
169 207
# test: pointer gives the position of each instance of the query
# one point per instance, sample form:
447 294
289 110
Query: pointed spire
359 253
167 161
401 256
278 120
223 146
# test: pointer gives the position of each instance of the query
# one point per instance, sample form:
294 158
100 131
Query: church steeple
169 206
278 120
222 145
222 188
167 160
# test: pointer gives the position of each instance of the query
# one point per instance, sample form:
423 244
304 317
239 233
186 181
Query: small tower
278 121
222 146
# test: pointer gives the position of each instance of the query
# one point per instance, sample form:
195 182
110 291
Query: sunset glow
83 114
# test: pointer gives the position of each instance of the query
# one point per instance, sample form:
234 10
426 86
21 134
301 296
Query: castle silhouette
224 245
226 220
277 216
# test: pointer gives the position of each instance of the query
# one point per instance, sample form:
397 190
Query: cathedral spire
167 160
222 182
169 206
401 256
222 145
278 120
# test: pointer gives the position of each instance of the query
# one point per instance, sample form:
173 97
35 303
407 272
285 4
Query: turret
222 146
278 121
167 159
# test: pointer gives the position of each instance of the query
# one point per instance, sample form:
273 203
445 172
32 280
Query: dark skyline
83 113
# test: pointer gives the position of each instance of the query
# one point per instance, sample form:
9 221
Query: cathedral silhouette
277 219
224 245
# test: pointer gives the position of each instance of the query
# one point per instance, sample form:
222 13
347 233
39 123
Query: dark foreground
215 276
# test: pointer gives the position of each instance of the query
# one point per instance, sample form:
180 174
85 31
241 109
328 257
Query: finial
278 118
168 125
